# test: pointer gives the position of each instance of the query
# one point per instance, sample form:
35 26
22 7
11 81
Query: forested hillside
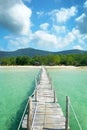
33 52
71 59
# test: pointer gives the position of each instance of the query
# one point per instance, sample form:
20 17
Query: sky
52 25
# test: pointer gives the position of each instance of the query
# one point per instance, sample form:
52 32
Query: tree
70 60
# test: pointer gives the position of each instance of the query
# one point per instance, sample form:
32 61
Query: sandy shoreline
20 66
50 67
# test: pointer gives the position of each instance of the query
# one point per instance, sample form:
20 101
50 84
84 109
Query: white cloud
77 47
66 40
52 41
18 42
15 16
82 23
85 4
82 20
44 26
78 38
59 29
63 14
45 37
40 13
45 40
7 37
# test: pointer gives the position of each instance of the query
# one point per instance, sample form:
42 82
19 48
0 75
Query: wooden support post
38 81
29 122
54 97
67 113
39 78
36 96
51 86
50 80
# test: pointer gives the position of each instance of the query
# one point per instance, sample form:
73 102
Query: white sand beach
20 66
50 67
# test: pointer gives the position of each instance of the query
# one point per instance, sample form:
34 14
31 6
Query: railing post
54 97
51 86
29 124
67 113
36 96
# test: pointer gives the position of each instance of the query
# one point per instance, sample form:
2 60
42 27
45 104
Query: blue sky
52 25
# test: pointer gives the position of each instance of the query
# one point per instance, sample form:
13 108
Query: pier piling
67 113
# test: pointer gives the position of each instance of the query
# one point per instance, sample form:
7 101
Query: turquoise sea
16 84
72 83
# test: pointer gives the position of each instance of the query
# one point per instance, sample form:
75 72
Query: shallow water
72 83
15 87
17 84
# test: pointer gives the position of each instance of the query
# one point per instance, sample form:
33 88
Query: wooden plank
48 115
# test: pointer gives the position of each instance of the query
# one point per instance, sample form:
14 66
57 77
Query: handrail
75 116
24 112
34 116
44 116
23 116
27 104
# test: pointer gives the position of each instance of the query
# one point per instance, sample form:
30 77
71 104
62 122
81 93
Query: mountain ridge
33 52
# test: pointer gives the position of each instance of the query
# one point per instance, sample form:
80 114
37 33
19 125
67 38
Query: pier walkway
44 112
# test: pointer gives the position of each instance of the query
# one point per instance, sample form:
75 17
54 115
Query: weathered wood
36 96
54 97
44 112
29 122
67 113
49 114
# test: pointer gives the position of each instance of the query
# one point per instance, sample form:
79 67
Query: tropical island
31 56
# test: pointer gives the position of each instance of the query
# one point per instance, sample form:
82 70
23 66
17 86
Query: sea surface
16 84
72 83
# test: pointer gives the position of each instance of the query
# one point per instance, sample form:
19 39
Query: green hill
33 52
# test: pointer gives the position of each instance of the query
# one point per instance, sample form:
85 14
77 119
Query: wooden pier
44 112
